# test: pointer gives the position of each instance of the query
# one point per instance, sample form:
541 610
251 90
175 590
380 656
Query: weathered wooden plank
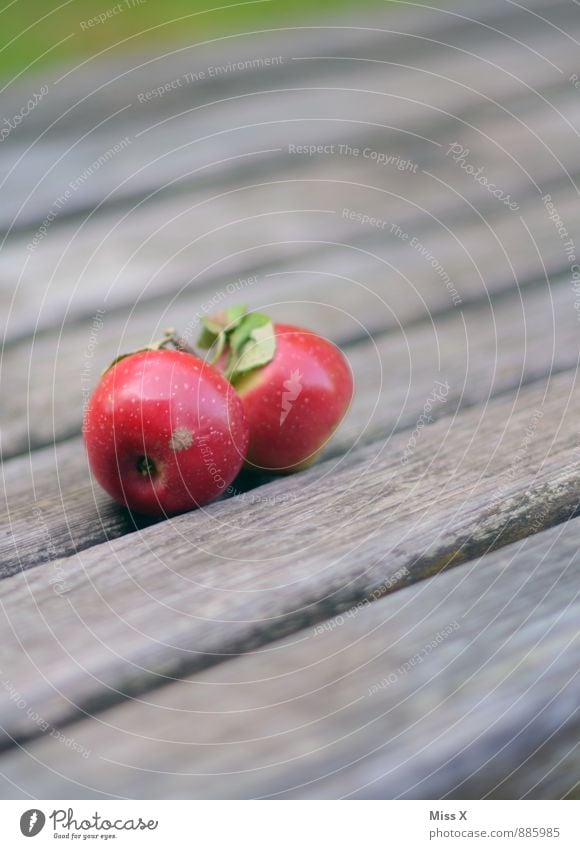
560 501
69 270
465 686
351 286
52 508
134 613
178 239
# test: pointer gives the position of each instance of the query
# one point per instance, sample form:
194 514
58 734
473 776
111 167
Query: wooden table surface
401 620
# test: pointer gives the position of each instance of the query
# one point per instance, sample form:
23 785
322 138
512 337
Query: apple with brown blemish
164 431
295 385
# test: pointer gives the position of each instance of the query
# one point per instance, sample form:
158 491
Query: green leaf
258 349
234 315
220 344
207 338
212 324
217 327
238 338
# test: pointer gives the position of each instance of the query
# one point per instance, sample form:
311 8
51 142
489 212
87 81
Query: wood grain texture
522 136
131 614
465 686
343 289
230 224
480 352
222 615
195 243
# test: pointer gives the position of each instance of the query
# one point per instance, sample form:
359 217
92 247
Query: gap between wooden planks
464 686
130 615
52 508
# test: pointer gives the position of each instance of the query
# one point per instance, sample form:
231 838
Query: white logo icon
293 387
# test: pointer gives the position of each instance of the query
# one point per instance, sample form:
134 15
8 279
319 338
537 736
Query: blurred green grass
38 33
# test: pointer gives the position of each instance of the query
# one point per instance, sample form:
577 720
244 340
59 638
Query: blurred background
38 34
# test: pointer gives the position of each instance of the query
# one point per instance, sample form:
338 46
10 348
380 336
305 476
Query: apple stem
182 345
171 337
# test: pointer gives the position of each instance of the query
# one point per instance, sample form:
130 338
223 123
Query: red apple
295 386
165 432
